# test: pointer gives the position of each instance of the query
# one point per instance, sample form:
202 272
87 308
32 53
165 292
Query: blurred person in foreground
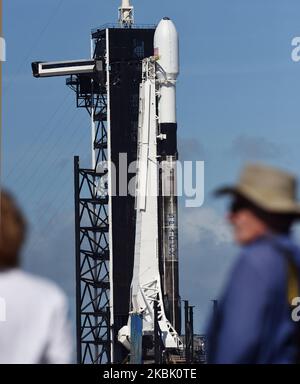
253 322
34 327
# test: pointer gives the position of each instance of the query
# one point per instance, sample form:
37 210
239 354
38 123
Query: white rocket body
166 48
146 280
156 146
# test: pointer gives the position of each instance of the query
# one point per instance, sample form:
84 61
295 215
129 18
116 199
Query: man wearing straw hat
253 323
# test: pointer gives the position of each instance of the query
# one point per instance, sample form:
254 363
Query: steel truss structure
103 266
92 229
92 269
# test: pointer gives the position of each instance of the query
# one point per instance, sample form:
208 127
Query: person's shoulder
39 286
264 256
263 247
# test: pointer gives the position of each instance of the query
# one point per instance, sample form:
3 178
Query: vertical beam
110 235
108 333
93 124
78 262
157 338
187 331
191 315
136 333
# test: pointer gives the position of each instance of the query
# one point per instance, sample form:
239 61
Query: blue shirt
253 323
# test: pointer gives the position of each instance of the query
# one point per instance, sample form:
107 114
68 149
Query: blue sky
238 101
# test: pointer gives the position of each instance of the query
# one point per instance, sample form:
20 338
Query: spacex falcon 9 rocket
155 274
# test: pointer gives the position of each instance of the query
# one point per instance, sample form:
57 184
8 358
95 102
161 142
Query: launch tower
107 85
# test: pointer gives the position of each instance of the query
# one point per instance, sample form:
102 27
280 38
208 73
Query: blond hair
12 231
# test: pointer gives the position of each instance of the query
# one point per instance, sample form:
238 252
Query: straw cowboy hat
268 188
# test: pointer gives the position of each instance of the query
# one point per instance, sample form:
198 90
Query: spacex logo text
2 310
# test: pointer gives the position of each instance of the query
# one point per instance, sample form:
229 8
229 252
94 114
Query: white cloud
206 256
255 147
199 224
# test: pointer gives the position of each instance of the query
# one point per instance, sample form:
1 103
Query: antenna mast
126 14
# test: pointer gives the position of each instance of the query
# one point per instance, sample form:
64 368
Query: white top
34 325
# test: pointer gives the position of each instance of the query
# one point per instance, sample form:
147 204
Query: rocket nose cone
165 24
165 29
166 46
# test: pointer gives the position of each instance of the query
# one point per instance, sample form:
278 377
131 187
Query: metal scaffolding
92 229
92 258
